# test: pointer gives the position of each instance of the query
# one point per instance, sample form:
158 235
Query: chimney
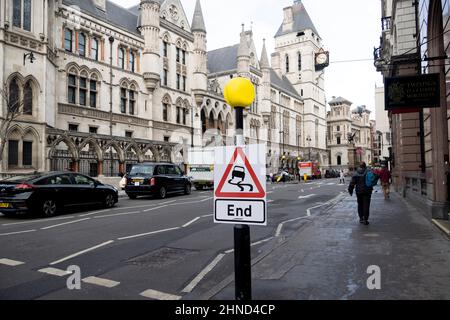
100 4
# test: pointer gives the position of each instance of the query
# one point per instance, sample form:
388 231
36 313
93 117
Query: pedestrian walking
363 181
386 179
341 177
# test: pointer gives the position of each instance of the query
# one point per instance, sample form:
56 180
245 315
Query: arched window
287 64
82 44
339 160
132 103
203 119
132 61
165 49
211 120
68 38
14 96
123 100
94 49
317 133
22 14
122 58
28 99
165 112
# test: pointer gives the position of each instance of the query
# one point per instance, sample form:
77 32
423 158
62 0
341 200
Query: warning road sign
239 185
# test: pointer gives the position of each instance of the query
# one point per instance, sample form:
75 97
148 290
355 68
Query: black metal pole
242 259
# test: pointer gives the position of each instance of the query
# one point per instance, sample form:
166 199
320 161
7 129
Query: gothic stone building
343 120
109 87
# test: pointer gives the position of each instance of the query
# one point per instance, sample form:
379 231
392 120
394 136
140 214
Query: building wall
382 122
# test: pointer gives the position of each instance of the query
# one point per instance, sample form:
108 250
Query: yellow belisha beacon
239 93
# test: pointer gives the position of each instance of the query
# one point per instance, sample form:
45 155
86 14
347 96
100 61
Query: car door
85 189
58 187
179 178
162 178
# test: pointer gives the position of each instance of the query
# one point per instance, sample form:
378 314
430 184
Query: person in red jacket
385 177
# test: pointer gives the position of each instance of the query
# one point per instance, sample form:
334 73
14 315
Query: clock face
321 58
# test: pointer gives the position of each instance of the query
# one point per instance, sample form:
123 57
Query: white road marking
269 192
148 234
229 251
155 208
281 225
261 242
207 215
202 274
11 263
191 222
303 190
117 214
55 272
65 223
101 282
82 252
92 213
331 184
158 295
270 201
37 221
306 197
17 232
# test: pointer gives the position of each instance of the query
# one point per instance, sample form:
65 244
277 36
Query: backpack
371 179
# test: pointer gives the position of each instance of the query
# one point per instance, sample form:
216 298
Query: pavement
330 255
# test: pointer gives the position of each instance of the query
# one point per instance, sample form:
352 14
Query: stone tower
265 68
149 28
243 57
200 54
296 44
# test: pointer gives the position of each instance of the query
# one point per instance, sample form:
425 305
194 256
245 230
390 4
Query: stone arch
33 131
95 74
93 143
166 154
70 145
135 147
185 46
179 43
116 147
155 154
167 99
73 68
124 83
166 37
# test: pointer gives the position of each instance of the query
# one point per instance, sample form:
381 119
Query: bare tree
14 105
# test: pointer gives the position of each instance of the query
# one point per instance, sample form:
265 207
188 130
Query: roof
282 83
339 100
114 13
198 23
223 59
302 21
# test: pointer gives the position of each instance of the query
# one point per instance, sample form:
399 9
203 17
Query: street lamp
309 146
192 125
111 41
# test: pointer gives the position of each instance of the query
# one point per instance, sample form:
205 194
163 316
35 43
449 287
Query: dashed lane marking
82 252
17 232
37 221
202 274
308 196
93 213
148 234
11 263
156 208
117 214
101 282
55 272
191 222
65 223
158 295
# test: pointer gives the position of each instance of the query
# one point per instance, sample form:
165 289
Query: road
145 248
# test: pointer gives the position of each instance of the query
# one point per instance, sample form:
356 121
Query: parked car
158 179
48 193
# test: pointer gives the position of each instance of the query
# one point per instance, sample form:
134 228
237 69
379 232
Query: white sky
350 29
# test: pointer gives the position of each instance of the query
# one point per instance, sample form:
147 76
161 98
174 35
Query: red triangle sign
260 193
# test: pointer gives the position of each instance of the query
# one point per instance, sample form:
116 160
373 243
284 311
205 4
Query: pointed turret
264 63
198 28
198 23
243 59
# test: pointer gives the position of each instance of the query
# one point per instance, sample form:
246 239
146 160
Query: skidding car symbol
239 174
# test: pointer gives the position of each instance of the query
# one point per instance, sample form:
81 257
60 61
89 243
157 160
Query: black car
157 179
48 193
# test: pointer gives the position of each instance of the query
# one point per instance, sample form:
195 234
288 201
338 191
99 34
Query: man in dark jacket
363 193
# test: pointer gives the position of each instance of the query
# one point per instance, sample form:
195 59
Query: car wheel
199 187
9 214
109 201
49 208
188 189
132 196
162 193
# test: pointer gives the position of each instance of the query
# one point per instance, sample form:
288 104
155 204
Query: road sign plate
240 185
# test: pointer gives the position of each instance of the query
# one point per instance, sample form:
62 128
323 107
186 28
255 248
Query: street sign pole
242 259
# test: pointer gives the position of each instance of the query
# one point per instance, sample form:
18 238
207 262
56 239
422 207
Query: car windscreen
142 170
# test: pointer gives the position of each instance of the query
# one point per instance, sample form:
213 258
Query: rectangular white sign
240 185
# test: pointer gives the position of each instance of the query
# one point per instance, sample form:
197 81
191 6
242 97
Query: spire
244 50
198 23
264 57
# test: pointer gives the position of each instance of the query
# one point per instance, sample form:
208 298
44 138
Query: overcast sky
350 29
